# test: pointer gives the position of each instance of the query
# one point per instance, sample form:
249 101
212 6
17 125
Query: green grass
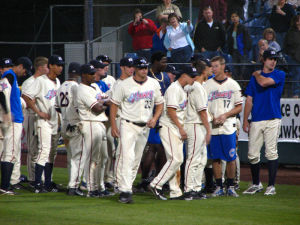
58 208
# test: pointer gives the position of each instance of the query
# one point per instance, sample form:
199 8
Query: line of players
192 108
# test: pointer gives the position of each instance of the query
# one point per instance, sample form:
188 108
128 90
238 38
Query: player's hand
257 72
207 137
151 123
220 120
44 116
145 21
188 22
183 134
115 132
170 49
246 126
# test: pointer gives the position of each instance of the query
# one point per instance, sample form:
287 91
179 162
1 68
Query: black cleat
93 194
105 193
157 193
125 197
52 187
74 192
17 186
181 197
38 188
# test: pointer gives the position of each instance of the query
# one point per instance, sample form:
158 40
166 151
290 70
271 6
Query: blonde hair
218 59
269 31
40 61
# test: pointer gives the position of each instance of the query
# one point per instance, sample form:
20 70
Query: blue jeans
181 55
210 54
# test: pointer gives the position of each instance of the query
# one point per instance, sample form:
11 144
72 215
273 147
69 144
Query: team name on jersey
184 104
98 96
3 86
216 95
51 94
134 97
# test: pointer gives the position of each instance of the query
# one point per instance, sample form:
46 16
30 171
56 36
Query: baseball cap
56 60
172 69
127 61
74 67
27 64
87 69
270 54
97 64
227 69
103 58
201 58
140 63
6 62
189 70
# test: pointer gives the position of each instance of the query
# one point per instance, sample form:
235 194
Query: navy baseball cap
103 58
6 62
74 67
227 69
97 64
140 63
127 61
189 70
87 69
27 64
201 58
56 60
172 69
270 54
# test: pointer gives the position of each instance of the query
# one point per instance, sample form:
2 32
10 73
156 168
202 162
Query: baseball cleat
7 192
254 188
202 195
93 194
17 186
83 186
52 187
157 193
231 192
38 188
218 192
125 197
74 192
270 190
181 197
105 193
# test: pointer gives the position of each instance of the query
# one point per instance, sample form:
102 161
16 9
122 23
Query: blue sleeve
250 88
278 77
105 87
167 40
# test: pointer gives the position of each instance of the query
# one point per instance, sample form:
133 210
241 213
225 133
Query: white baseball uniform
43 91
175 97
93 130
109 81
30 134
136 102
66 101
196 154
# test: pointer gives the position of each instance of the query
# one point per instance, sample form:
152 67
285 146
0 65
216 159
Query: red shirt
142 34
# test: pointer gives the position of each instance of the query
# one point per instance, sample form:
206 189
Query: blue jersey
163 80
266 100
15 98
103 86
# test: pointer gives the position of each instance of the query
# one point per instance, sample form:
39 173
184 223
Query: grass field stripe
167 161
187 172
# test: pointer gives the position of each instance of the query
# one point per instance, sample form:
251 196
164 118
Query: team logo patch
232 152
183 105
135 97
51 94
98 96
216 95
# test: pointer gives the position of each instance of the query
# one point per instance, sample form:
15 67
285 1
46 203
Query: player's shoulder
232 82
279 72
152 81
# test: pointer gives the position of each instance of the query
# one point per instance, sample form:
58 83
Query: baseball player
263 102
137 96
41 99
224 102
100 73
12 135
65 101
172 134
108 79
41 67
90 108
197 126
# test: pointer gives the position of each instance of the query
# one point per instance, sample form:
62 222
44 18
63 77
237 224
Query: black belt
138 124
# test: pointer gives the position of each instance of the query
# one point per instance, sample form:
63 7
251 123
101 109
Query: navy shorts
154 137
222 147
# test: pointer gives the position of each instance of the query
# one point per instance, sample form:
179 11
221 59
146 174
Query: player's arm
31 104
112 115
204 119
98 107
263 81
158 110
172 114
247 111
222 118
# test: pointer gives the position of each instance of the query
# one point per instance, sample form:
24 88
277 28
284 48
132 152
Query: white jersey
136 100
197 101
175 97
223 97
5 87
27 84
65 101
109 81
87 97
43 91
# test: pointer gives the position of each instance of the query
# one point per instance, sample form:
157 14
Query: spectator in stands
178 41
159 37
235 6
142 31
270 35
262 46
219 7
280 19
239 44
209 35
165 9
292 48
